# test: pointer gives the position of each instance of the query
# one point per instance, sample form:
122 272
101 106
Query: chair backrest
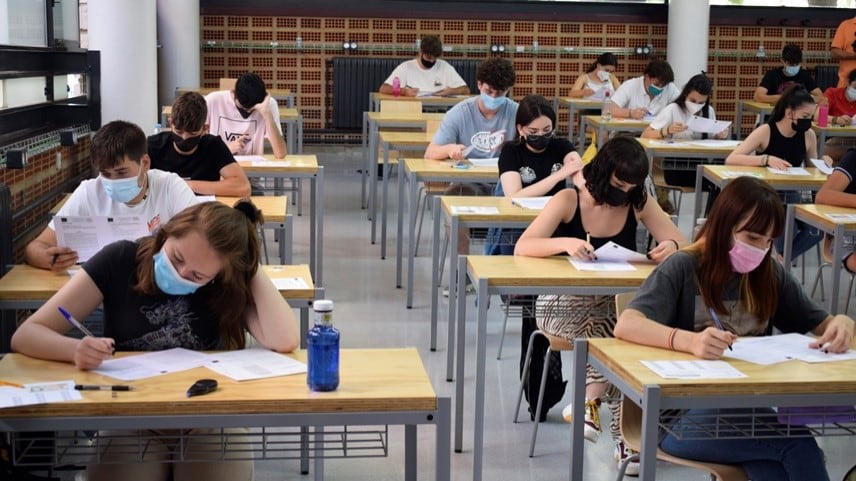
432 125
227 83
401 106
621 301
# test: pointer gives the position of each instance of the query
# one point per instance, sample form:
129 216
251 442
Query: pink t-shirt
225 120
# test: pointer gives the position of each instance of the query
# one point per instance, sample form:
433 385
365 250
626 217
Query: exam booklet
87 235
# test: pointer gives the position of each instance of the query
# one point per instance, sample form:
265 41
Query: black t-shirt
847 166
204 163
534 166
148 323
776 82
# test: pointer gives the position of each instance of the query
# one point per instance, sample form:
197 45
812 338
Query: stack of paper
87 235
768 350
696 369
534 203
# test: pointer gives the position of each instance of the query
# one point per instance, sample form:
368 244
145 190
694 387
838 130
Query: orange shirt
844 38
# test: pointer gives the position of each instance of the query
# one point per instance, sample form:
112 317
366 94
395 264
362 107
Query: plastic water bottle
323 349
396 86
157 129
606 108
823 115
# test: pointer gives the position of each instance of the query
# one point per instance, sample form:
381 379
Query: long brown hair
231 232
749 204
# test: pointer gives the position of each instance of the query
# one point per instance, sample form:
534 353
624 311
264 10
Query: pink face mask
744 257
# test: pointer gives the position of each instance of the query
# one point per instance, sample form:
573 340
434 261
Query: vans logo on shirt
488 141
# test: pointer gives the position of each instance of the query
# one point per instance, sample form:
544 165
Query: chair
631 431
227 83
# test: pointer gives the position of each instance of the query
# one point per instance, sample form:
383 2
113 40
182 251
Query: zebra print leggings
574 317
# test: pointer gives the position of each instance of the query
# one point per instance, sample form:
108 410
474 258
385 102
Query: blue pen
74 322
718 324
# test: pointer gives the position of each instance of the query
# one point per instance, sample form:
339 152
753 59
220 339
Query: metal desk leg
444 433
399 227
304 325
290 143
699 179
411 240
789 233
373 142
410 452
316 227
580 355
455 277
365 174
319 453
601 136
299 133
481 355
304 450
459 381
739 120
837 253
650 418
435 278
286 241
383 203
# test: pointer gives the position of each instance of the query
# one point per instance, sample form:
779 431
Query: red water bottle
396 86
823 115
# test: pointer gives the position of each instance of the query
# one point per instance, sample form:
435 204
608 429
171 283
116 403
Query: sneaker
622 452
591 428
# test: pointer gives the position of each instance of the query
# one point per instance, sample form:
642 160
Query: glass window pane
60 87
22 22
25 91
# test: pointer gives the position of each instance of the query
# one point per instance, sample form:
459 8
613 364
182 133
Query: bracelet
766 159
677 247
672 338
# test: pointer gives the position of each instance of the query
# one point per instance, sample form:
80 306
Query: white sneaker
622 452
591 427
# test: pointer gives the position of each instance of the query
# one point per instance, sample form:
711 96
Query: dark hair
660 70
624 157
431 45
752 205
792 54
496 72
792 98
530 108
231 232
115 141
250 90
852 76
605 58
189 112
699 83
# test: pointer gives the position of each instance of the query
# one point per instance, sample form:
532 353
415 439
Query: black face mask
186 145
244 113
426 63
616 197
801 125
539 142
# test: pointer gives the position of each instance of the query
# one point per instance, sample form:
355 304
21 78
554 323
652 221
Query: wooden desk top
433 100
818 215
758 107
617 124
685 147
581 103
549 271
507 210
404 118
406 138
27 283
843 130
718 173
291 164
380 380
793 377
446 169
273 207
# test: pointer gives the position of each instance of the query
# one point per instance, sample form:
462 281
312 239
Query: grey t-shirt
464 124
671 296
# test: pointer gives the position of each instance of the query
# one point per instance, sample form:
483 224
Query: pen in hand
718 324
74 322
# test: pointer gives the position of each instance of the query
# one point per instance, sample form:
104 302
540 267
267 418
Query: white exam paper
768 350
488 162
472 209
842 217
87 235
715 143
822 166
614 252
205 198
534 203
285 283
250 158
16 396
707 126
598 94
789 171
152 364
696 369
249 364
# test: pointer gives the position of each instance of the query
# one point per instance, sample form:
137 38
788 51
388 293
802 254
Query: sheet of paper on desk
696 369
488 162
152 364
842 217
473 209
285 283
15 396
206 198
730 174
87 235
249 364
533 203
707 126
602 266
250 158
768 350
715 143
614 252
789 171
822 166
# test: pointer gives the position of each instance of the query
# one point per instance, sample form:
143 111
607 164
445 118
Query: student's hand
263 107
828 160
843 120
676 128
588 92
579 249
409 92
838 335
446 92
723 134
92 351
777 163
638 114
237 146
664 249
571 165
61 258
455 151
711 343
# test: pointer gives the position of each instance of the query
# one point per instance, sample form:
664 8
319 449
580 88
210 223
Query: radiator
355 78
826 76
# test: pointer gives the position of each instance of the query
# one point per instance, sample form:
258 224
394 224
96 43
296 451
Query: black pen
718 324
103 387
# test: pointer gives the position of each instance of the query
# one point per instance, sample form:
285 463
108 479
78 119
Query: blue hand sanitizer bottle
323 349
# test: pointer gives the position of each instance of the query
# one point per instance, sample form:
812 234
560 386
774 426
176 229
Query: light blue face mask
791 70
654 90
121 190
169 280
851 94
492 103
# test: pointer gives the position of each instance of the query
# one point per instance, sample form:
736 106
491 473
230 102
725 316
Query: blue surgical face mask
791 70
851 94
121 190
654 90
492 103
169 280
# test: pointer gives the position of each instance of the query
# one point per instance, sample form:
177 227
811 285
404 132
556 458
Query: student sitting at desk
840 190
196 284
126 186
780 79
842 110
245 116
694 99
647 95
729 271
203 160
605 204
427 73
786 140
599 76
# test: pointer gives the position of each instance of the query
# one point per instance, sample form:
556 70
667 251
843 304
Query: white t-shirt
438 77
225 120
168 195
632 95
674 114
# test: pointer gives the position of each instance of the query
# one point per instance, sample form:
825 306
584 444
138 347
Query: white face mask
851 94
692 107
603 75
